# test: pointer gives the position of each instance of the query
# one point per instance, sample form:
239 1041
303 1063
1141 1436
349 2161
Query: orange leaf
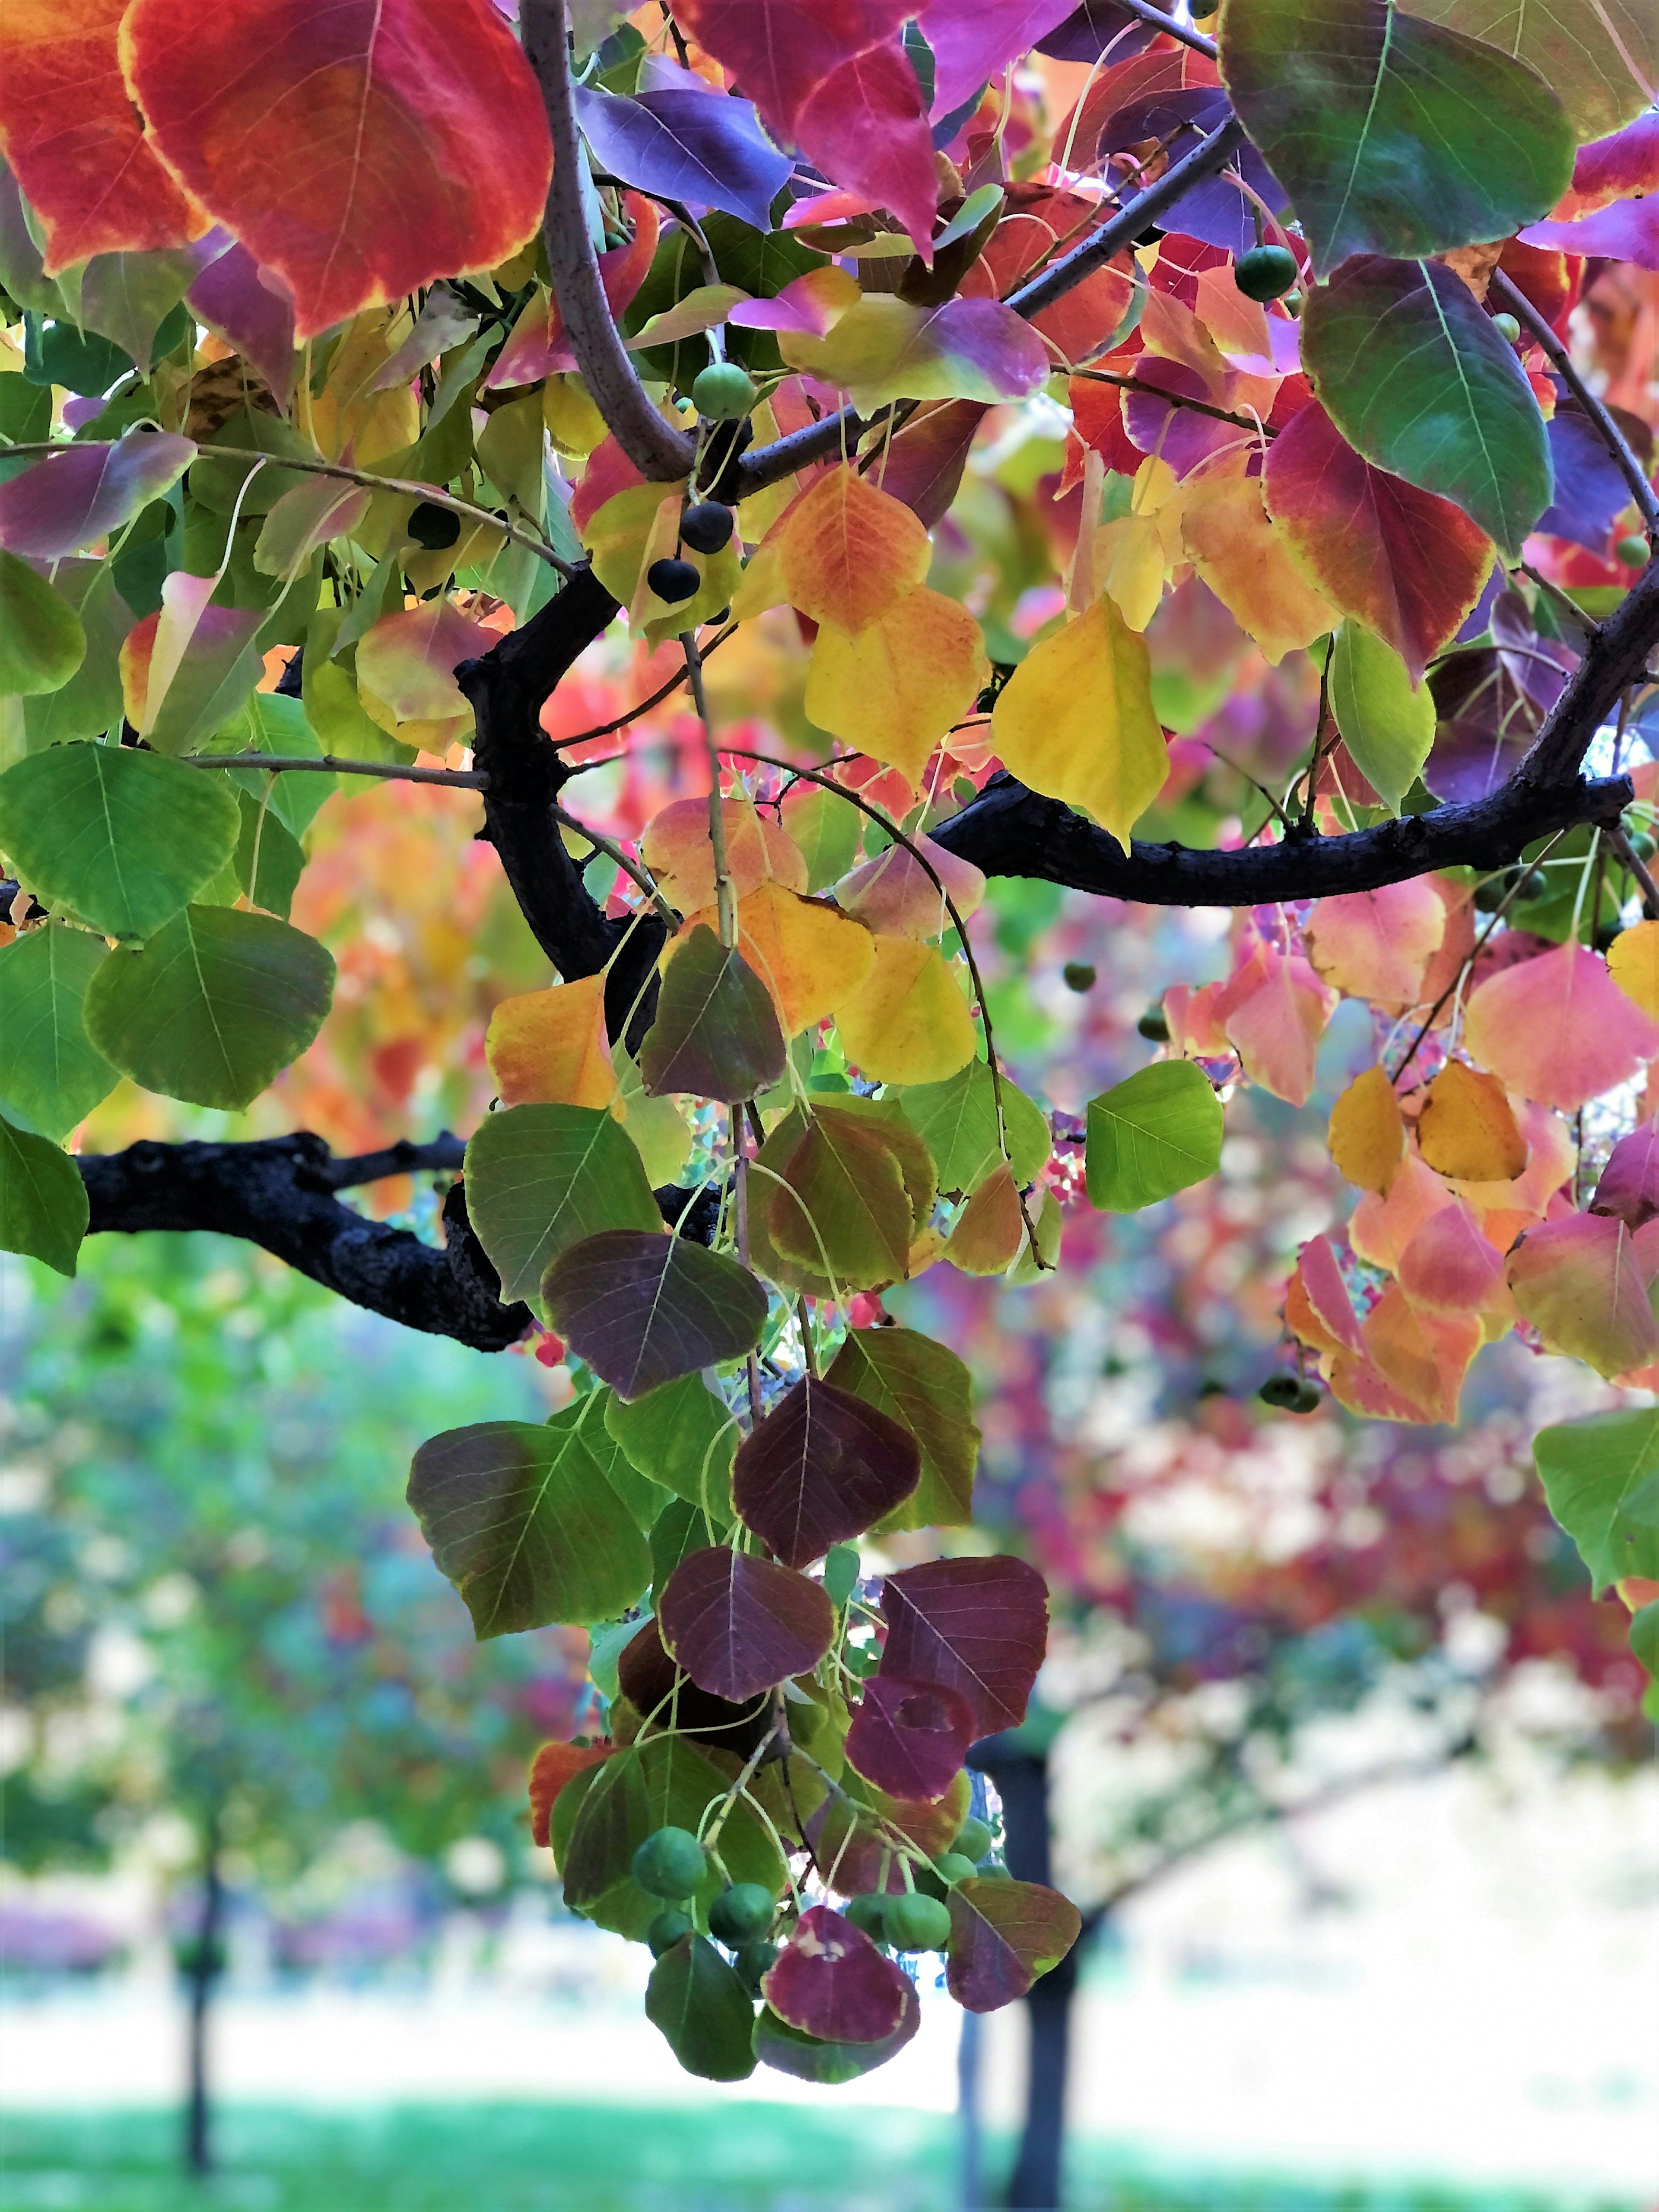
1558 1030
1376 944
1382 1228
896 688
1425 1355
1274 1011
554 1765
846 551
361 151
549 1048
990 1228
1367 1136
678 849
1579 1282
810 957
907 1022
1244 559
1467 1128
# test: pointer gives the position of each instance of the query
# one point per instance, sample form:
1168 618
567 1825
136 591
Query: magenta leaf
740 1625
68 499
1004 1935
1630 1181
810 2058
977 1625
910 1738
822 1467
252 309
642 1310
830 1981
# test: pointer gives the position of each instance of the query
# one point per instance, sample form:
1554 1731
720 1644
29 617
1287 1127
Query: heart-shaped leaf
683 1436
810 2058
50 1076
823 1466
977 1625
709 2017
830 1981
85 492
738 1625
910 1738
43 1201
921 1384
1004 1935
41 640
716 1033
1601 1476
541 1178
1156 1133
642 1310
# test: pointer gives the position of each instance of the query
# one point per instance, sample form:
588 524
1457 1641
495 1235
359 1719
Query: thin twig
631 868
1176 399
1633 865
458 779
1188 37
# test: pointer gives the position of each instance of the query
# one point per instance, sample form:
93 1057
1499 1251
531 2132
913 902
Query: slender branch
1177 399
1188 37
1607 428
457 779
656 449
1634 866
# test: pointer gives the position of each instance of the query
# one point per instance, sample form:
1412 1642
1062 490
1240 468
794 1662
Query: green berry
1079 976
1265 271
1632 551
724 392
1507 329
869 1912
915 1923
666 1930
973 1838
670 1863
953 1867
752 1961
740 1913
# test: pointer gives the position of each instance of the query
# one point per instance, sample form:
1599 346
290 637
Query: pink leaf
975 40
1376 944
830 1981
910 1738
779 51
1579 1282
252 309
1558 1030
897 897
1626 231
1449 1266
1630 1181
1274 1012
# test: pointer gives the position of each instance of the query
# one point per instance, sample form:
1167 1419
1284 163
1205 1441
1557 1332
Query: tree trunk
202 1973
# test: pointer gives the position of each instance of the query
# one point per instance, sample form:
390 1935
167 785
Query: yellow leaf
848 550
1467 1127
549 1048
762 583
907 1022
1633 963
811 958
895 688
1129 561
1367 1135
678 849
990 1228
1245 561
1075 720
574 423
618 534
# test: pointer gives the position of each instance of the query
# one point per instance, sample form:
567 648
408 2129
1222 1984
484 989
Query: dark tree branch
1199 42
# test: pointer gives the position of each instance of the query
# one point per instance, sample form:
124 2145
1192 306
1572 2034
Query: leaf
683 1436
1386 724
271 723
1633 965
306 517
829 1981
1450 1266
1377 944
883 350
121 837
895 895
554 1766
704 2009
213 1007
1246 560
1004 1936
666 1698
846 551
780 54
822 1468
541 1178
549 1048
1156 1133
521 1519
1629 1184
1392 135
1273 1010
738 1625
1557 1030
186 671
687 145
1466 1128
907 1022
1578 1280
642 1310
1600 58
90 702
1626 231
407 662
865 125
812 2059
73 140
910 1738
679 852
921 1384
1411 566
50 1077
716 1033
1076 722
990 1230
44 1210
841 1207
1367 1136
898 688
41 640
1601 1477
87 491
810 958
414 138
1416 377
825 829
980 1627
680 1529
956 1119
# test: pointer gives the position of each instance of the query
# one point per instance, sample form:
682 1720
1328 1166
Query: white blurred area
1456 1980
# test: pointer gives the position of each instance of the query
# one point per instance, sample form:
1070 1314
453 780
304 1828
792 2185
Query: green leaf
1600 57
50 1076
213 1007
704 2010
523 1521
644 1497
272 723
540 1178
1392 135
1644 1636
677 1529
269 860
843 1209
89 704
923 1386
121 837
1386 725
1601 1477
41 640
826 828
1417 379
1151 1136
716 1033
43 1201
957 1121
683 1436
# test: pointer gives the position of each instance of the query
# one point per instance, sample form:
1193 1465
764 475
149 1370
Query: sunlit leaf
1155 1133
1386 723
897 689
1601 1475
1466 1128
549 1048
50 1075
1367 1136
1578 1281
1557 1030
683 1436
907 1022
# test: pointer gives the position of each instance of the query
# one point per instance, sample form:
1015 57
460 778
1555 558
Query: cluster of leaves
287 474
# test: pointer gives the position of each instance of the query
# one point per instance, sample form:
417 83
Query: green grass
585 2157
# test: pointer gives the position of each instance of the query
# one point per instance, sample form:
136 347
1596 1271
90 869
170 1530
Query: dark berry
707 527
1079 975
673 580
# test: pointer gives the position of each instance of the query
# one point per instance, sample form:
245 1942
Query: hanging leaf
549 1048
1246 560
1004 1936
910 1738
738 1625
683 1436
1158 1132
1367 1136
820 1468
1579 1283
642 1310
44 1209
866 127
1391 134
1449 1266
50 1077
907 1022
829 1981
553 1766
1600 58
1601 1476
840 1208
215 1005
678 850
1558 1030
1377 944
846 551
922 1385
704 2009
898 687
883 350
1633 965
41 640
523 1521
692 144
666 1698
1386 724
989 1232
85 492
957 1121
1629 1185
811 958
1466 1128
540 1178
903 893
980 1627
715 1034
810 2058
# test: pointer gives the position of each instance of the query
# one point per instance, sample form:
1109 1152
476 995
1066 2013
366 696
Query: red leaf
830 1981
925 462
910 1738
1003 1936
73 140
866 126
821 1467
738 1625
980 1627
1409 564
779 51
554 1765
1630 1181
810 2059
362 150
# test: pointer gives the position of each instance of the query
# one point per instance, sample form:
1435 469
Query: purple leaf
68 499
822 1467
1095 28
1004 1935
252 309
925 462
655 1687
698 146
738 1625
1179 435
716 1033
1626 231
830 1981
910 1738
1589 485
642 1310
977 1625
1485 722
1630 1181
975 40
